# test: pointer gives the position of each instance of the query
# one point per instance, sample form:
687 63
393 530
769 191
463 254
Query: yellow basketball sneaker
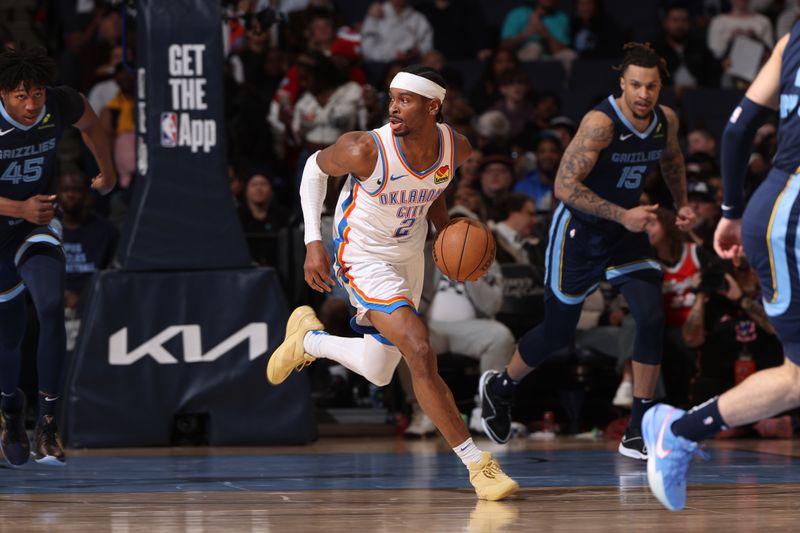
490 482
290 355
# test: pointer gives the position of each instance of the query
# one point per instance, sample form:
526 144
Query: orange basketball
464 250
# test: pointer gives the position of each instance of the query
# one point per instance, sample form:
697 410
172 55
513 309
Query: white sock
364 356
468 452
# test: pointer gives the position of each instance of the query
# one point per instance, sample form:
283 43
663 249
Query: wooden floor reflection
735 499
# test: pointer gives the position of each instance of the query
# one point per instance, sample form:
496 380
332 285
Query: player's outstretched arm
673 170
353 153
594 134
757 105
96 138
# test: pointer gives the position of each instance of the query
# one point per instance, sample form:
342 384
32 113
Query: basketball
464 250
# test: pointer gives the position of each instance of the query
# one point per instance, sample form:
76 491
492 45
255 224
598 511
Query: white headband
419 85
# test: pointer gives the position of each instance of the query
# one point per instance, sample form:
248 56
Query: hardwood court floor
389 485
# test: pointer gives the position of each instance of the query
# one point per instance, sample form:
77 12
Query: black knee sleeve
646 303
555 332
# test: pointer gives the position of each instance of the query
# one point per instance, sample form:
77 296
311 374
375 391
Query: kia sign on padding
194 344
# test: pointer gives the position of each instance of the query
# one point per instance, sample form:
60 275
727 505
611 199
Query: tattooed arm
694 329
594 134
756 311
673 170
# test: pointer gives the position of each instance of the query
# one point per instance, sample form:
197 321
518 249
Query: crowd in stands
520 74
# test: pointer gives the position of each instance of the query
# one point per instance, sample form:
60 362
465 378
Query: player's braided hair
642 55
31 68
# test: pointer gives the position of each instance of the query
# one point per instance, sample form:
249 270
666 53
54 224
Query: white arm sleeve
313 187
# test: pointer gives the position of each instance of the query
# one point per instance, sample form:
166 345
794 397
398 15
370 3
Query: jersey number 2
30 170
405 227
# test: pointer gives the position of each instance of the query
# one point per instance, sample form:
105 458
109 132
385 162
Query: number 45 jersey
28 153
622 167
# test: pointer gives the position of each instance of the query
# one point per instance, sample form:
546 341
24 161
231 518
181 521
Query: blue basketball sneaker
669 456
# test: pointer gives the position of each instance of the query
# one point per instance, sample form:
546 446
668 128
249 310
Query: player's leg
672 434
13 439
644 299
41 267
405 329
572 273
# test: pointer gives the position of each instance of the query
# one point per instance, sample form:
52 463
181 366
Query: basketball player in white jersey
396 179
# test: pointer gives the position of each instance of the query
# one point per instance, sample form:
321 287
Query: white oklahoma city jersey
380 224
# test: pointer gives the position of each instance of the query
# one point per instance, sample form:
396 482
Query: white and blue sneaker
669 456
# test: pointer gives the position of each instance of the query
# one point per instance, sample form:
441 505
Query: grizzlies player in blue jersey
767 231
32 118
597 233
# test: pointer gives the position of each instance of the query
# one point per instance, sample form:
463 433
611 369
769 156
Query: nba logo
169 130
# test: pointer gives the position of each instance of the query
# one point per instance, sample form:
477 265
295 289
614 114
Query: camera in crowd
264 19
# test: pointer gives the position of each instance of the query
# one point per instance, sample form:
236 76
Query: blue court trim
34 239
381 182
777 231
617 272
12 293
554 260
17 124
624 119
340 472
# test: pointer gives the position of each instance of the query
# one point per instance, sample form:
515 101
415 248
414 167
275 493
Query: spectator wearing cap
393 30
496 180
565 128
703 199
689 61
538 184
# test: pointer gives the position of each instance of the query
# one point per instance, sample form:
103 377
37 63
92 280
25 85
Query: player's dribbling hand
637 218
686 218
317 268
728 240
104 183
39 209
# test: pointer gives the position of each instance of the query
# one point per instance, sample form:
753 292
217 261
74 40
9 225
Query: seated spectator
565 128
89 240
538 184
393 30
538 32
741 21
496 180
460 320
487 92
260 218
468 173
689 61
492 132
592 33
515 234
459 31
515 104
701 140
467 202
118 117
703 199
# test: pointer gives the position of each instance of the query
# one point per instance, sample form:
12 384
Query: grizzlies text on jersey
28 153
